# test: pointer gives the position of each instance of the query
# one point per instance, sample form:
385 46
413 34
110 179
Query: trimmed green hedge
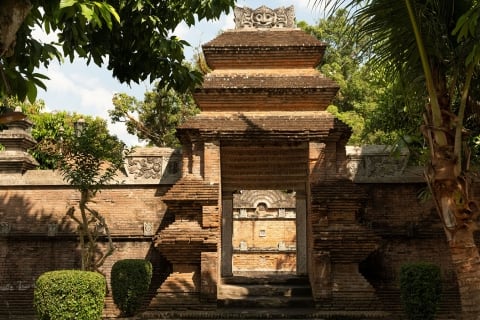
130 280
69 295
420 289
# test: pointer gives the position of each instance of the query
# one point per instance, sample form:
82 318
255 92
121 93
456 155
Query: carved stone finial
16 139
264 17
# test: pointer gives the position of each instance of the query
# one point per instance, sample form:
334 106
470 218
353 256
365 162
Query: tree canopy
50 129
156 118
344 62
132 38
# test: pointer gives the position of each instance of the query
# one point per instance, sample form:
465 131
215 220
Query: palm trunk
458 213
447 176
466 261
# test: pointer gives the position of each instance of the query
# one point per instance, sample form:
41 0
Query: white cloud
75 88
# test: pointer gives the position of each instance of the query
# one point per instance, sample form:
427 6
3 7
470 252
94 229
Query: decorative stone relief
243 246
147 168
264 17
375 161
149 164
148 229
243 213
52 229
269 199
4 228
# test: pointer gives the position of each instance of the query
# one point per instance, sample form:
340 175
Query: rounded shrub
130 279
69 295
420 290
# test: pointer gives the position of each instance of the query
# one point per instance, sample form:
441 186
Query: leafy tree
161 111
89 161
50 128
395 120
344 61
130 37
438 50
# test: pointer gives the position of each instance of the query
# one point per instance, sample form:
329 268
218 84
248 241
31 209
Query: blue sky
89 89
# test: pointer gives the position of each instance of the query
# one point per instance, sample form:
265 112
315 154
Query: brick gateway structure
264 207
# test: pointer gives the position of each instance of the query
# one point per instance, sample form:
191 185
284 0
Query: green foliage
159 114
371 46
54 128
420 288
50 129
69 295
130 37
344 62
89 160
130 280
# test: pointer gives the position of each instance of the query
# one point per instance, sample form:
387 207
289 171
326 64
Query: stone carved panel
148 167
52 229
4 228
375 161
148 229
153 164
264 17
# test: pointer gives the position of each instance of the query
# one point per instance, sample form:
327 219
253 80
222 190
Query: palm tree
432 44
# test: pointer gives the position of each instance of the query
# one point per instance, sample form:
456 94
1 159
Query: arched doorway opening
263 232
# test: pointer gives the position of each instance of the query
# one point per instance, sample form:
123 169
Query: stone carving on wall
154 164
264 17
375 161
52 229
148 229
4 228
272 199
248 204
147 167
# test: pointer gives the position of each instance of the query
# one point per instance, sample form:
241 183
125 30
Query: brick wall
36 236
29 210
32 204
410 229
264 234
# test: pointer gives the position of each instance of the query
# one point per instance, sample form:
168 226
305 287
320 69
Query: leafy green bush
69 295
130 281
420 289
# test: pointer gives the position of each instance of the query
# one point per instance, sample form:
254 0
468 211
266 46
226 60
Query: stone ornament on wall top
153 164
264 17
146 167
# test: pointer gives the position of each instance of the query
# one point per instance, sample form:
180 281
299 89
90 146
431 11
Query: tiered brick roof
256 69
273 48
319 125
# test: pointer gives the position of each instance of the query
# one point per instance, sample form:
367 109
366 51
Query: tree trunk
459 213
12 15
466 261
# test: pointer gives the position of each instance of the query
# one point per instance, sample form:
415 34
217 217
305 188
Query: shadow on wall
161 267
29 246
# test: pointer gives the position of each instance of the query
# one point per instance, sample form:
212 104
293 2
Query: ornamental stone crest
153 164
264 17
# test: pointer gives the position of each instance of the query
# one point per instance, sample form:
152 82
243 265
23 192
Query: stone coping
162 166
381 164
